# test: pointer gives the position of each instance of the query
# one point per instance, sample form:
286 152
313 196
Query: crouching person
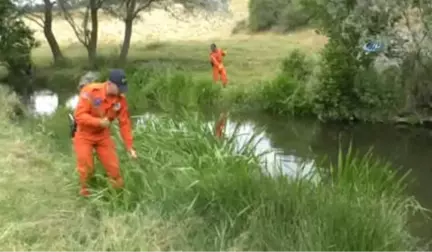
99 104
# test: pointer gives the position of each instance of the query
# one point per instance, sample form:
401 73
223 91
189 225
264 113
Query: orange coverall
219 72
93 105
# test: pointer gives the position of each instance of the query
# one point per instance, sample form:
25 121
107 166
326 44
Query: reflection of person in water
220 124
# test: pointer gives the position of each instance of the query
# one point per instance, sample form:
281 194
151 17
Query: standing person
99 104
216 60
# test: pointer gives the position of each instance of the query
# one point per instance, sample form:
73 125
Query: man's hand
104 122
132 153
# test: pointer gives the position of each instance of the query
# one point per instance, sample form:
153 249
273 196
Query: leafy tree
128 11
345 68
16 42
284 15
45 20
86 31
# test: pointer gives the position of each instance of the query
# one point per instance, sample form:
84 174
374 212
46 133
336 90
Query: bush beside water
325 87
190 191
333 86
305 86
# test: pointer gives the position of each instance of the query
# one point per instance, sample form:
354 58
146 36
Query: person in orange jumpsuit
216 60
99 104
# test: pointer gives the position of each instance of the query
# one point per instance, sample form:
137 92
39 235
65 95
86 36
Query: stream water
296 144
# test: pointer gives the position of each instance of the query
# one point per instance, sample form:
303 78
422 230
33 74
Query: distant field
184 42
158 25
249 58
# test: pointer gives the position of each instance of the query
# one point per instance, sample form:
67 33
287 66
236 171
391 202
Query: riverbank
285 77
190 191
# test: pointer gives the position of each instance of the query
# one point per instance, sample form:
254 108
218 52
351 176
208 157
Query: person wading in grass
99 104
216 60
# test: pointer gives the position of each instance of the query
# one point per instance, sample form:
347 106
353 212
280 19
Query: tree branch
79 33
99 4
35 18
141 8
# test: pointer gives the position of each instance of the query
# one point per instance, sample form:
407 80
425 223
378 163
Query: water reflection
220 124
72 102
275 160
44 102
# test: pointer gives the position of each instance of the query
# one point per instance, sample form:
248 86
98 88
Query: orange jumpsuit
219 72
93 105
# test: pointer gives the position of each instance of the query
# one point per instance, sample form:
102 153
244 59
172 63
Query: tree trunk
49 35
92 46
126 41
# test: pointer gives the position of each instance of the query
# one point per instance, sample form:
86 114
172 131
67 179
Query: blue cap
118 77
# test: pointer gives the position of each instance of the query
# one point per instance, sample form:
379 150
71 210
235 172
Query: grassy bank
190 191
248 62
286 76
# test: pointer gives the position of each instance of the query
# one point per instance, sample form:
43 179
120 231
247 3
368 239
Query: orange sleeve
223 52
213 60
82 112
125 124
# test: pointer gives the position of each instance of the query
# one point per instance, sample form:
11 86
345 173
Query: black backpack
72 125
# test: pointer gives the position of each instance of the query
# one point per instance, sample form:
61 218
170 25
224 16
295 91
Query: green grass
190 191
253 62
249 61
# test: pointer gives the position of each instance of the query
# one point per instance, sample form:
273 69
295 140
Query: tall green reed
185 172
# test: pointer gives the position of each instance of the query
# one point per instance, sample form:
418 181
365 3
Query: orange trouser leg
84 155
215 74
223 76
106 151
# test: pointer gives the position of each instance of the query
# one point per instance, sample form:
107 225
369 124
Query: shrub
293 16
414 77
10 104
297 66
284 15
288 92
16 43
350 88
334 96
